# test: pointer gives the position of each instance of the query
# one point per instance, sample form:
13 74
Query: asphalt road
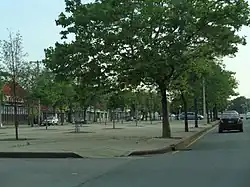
218 160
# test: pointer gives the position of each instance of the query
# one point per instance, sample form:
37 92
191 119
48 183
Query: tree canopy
153 42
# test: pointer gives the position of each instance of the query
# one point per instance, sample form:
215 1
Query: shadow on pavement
39 155
44 129
226 132
80 132
110 128
20 139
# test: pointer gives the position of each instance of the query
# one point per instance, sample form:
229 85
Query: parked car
51 120
80 121
230 121
190 116
248 115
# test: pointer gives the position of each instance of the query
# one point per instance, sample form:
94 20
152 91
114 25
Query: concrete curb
39 155
181 145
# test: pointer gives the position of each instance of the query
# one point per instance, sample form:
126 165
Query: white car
248 115
51 120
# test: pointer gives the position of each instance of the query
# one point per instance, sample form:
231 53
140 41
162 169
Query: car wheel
241 130
220 131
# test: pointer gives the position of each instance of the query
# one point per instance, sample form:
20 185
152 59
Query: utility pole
204 97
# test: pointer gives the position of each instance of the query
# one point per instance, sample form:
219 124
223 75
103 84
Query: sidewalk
95 140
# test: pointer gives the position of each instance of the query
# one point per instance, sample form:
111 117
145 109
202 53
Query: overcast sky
35 19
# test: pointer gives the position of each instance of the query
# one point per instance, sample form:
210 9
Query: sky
35 20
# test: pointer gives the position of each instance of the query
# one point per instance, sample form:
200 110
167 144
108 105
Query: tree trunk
136 117
123 114
95 118
196 112
70 118
28 110
143 115
15 109
185 111
214 115
211 115
166 132
150 116
62 116
1 111
208 120
113 119
84 113
32 115
39 113
216 111
54 110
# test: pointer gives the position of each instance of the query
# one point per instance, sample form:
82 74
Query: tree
239 104
151 41
13 58
115 101
220 86
52 92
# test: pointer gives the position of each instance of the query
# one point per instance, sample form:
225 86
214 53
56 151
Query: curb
39 155
181 145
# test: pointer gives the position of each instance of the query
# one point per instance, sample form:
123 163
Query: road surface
218 160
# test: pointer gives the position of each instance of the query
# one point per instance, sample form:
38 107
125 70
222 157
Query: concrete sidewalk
95 140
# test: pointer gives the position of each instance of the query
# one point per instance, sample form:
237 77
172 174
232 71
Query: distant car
172 116
80 121
51 120
190 116
230 121
248 115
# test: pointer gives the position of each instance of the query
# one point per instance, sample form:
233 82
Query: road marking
201 136
175 152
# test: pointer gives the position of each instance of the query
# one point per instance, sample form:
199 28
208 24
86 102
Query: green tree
150 41
13 56
220 86
115 101
54 93
239 104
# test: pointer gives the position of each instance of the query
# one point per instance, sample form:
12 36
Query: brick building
7 104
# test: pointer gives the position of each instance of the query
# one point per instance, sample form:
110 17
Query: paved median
99 140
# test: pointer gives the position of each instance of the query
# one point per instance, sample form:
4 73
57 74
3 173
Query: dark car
231 121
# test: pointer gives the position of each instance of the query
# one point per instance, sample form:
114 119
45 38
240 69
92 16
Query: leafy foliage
153 42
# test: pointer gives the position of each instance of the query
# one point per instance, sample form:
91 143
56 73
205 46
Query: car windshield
231 111
230 115
51 117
